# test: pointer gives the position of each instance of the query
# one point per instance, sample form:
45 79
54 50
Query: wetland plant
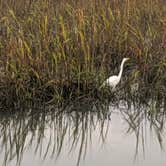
53 50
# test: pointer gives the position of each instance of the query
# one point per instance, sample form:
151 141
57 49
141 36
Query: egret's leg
113 89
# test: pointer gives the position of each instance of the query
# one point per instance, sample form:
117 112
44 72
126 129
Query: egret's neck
121 69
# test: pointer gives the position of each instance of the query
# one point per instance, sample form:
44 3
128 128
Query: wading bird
114 80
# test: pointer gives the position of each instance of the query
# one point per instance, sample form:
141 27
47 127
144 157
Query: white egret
114 80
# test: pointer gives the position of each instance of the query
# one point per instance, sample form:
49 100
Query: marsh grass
52 50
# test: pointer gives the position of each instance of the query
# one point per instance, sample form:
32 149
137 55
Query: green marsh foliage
51 49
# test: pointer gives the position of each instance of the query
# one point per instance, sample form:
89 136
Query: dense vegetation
54 49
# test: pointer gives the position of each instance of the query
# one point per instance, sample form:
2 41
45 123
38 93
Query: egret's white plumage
114 80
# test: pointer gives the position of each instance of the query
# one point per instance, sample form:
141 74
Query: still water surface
85 134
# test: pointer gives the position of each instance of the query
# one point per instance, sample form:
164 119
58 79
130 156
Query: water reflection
73 127
53 127
143 120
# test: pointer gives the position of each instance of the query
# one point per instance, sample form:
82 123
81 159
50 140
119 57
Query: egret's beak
128 59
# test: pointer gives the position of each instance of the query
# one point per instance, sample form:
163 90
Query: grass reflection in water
74 126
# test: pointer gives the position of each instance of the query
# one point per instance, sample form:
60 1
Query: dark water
86 133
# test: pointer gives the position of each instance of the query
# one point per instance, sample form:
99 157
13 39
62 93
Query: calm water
86 133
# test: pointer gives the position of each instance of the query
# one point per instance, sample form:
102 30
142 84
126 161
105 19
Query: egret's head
126 59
